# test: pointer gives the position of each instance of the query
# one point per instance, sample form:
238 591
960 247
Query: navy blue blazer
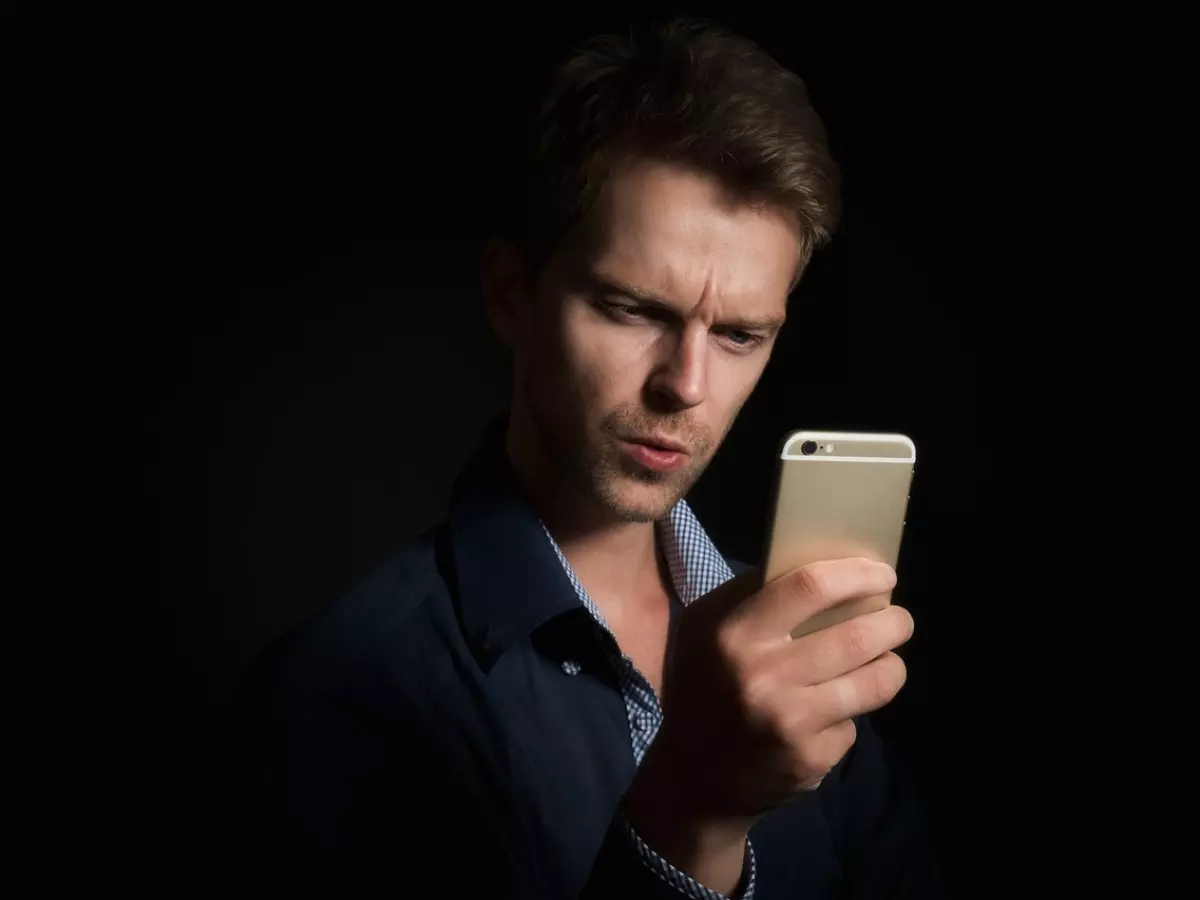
419 737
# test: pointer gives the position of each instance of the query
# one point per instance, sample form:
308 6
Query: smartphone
838 494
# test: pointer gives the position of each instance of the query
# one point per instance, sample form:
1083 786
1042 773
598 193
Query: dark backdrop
273 360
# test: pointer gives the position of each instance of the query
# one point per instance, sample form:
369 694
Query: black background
261 358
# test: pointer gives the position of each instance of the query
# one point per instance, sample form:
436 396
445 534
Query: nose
680 380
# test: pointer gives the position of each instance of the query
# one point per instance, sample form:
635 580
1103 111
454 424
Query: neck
613 558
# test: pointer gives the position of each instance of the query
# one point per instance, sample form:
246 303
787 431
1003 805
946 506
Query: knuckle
756 690
811 581
727 642
800 720
847 695
857 638
730 645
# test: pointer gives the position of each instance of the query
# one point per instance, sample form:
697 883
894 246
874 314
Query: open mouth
659 457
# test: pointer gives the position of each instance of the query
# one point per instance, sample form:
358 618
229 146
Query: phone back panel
847 498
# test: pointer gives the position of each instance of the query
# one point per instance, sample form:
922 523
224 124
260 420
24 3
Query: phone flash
829 448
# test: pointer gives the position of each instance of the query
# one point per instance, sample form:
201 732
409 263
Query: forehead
678 231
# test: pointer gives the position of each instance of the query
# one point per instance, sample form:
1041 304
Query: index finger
772 613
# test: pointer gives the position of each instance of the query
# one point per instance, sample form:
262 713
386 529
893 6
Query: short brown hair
687 91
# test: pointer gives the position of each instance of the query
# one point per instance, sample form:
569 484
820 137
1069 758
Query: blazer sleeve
334 808
880 824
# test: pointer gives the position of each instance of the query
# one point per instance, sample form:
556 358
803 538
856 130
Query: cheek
606 363
568 371
730 386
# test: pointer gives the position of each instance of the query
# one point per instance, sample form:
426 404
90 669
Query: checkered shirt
696 568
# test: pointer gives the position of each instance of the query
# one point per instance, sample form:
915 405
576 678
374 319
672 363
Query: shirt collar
510 576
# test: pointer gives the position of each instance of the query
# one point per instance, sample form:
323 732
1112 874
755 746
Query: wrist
671 818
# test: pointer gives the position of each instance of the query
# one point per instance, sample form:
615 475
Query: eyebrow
648 298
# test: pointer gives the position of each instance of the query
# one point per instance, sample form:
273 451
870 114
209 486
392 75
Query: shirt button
571 667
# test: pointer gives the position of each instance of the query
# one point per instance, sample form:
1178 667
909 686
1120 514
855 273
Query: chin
632 500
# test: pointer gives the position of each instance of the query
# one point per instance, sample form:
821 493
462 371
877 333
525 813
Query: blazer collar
508 578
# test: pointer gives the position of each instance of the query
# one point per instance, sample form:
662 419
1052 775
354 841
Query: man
562 690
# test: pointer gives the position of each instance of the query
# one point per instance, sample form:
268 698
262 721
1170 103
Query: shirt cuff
683 882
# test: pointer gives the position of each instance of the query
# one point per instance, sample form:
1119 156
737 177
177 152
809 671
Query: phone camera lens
808 448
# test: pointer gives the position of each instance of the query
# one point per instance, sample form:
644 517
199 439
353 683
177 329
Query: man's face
653 330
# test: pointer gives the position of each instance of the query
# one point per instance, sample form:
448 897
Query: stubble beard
587 458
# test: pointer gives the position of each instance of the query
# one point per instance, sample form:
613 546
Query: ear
507 288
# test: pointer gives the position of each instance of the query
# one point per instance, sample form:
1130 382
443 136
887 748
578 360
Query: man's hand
751 716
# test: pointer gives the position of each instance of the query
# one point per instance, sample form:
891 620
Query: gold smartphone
838 494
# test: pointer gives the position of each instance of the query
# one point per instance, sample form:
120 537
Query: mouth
663 444
657 453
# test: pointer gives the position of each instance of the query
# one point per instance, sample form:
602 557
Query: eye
621 311
742 340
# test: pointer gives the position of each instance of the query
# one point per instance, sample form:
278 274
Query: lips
660 443
656 458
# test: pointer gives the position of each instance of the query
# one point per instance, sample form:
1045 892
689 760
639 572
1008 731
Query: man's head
679 182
